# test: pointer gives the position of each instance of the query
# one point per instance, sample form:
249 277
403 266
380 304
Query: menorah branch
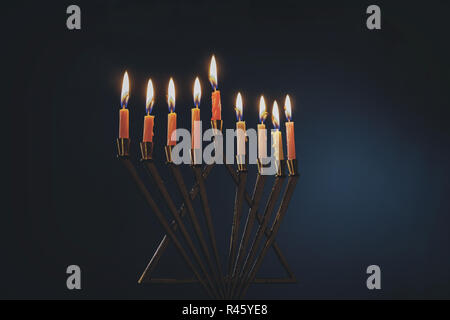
239 198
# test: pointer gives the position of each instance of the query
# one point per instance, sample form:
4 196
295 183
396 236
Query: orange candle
290 135
148 128
215 96
148 119
171 128
124 131
262 133
172 117
195 116
124 117
276 135
240 127
216 106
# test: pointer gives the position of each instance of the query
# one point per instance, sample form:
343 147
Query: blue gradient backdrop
371 116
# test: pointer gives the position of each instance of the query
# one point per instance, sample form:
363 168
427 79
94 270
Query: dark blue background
371 116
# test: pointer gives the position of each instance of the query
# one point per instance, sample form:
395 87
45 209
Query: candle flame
239 107
125 91
197 92
262 110
150 101
275 116
213 73
288 108
171 96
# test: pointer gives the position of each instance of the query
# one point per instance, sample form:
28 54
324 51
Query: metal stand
241 273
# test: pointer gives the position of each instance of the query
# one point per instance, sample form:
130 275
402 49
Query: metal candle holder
206 266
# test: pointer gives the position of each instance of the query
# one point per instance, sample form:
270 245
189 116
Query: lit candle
124 131
215 96
290 136
149 119
172 117
276 135
262 134
195 116
240 126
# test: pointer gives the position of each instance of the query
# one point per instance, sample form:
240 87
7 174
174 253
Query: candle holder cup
147 150
123 147
217 125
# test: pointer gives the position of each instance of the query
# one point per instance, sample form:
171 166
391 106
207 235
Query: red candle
215 96
124 131
172 117
195 116
149 119
290 135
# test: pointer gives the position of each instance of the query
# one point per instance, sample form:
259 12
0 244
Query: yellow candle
262 141
195 128
278 144
262 133
240 127
276 135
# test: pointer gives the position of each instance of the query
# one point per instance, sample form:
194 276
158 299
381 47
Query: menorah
244 257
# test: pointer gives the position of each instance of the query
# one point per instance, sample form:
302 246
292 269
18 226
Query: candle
240 126
149 119
215 96
195 116
262 133
124 131
290 135
172 117
276 135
